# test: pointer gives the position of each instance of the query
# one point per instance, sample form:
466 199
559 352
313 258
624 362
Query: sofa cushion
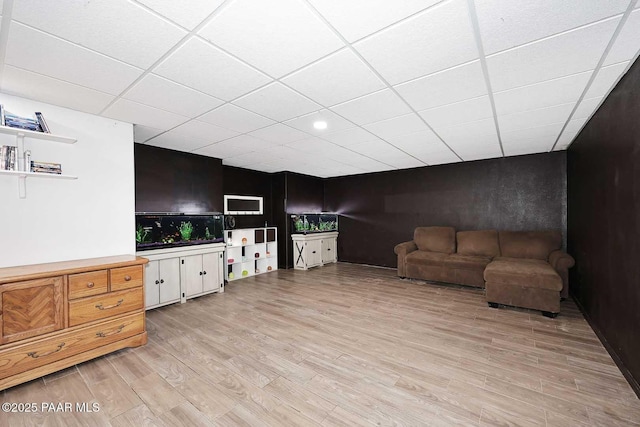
466 261
425 257
482 243
529 273
529 244
435 239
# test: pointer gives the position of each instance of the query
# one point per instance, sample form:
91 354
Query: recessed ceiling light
320 125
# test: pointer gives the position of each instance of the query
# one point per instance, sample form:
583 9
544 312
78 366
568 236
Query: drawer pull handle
127 278
101 307
117 331
157 282
35 356
90 285
161 280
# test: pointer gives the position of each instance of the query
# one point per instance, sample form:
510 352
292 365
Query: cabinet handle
35 356
204 272
101 307
313 252
157 282
201 273
90 285
127 278
117 331
328 249
161 280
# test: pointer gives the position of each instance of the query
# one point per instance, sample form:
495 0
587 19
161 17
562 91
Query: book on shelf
42 122
44 167
26 123
8 158
1 115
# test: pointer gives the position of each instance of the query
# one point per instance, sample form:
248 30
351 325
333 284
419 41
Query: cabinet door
210 272
299 253
169 279
314 253
31 308
191 274
151 284
328 250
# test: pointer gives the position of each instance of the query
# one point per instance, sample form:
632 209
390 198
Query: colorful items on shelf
257 271
230 260
269 268
245 273
231 276
244 240
257 254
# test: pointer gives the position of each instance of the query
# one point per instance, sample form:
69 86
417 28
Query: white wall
62 220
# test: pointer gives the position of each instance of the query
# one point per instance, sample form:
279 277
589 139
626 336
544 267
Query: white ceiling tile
445 87
19 82
459 112
378 149
471 138
587 107
118 28
334 122
279 134
235 118
142 133
437 39
277 102
569 133
349 136
520 150
542 136
161 93
425 140
535 118
188 17
238 145
355 19
507 23
201 66
441 158
139 114
372 108
277 37
405 162
491 153
605 79
401 125
546 94
336 78
197 130
562 55
65 61
627 44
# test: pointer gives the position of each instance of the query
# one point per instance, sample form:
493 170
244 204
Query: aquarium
314 222
156 231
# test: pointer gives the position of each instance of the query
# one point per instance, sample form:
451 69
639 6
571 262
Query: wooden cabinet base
134 341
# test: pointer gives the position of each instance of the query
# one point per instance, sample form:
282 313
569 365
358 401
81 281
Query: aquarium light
320 125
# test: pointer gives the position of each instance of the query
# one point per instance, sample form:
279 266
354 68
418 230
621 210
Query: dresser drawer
87 284
106 305
38 353
126 277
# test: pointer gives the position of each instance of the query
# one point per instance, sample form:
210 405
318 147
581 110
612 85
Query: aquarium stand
314 249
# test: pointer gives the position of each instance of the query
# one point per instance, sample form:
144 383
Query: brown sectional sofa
520 268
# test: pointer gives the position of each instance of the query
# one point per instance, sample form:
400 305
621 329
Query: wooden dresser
56 315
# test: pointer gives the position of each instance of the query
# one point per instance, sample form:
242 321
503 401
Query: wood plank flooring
344 345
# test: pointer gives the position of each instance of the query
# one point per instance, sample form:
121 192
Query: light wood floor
345 345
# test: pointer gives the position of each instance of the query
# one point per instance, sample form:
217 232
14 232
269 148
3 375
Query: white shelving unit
22 174
250 251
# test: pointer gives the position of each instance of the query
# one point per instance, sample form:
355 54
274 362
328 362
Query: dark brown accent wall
246 182
173 181
380 210
604 222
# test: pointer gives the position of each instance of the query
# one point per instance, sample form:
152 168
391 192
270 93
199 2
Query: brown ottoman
527 283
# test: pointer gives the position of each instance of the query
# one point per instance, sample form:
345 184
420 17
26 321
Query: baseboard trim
635 386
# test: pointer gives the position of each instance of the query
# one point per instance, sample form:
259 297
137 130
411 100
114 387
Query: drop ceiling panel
437 39
118 28
188 17
201 66
535 118
235 118
372 108
334 122
277 102
349 136
142 133
546 94
65 61
459 112
626 45
16 81
473 139
235 146
335 79
570 132
279 134
542 137
506 23
569 53
192 135
277 37
133 112
422 141
359 18
161 93
587 107
445 87
440 158
396 126
605 79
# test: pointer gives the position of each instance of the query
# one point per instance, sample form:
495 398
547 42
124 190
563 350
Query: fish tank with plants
165 230
306 223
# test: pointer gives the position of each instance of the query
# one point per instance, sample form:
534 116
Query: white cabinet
175 274
250 251
312 250
162 282
202 274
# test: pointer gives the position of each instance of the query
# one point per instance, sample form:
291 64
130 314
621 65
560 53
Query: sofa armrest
402 249
561 263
